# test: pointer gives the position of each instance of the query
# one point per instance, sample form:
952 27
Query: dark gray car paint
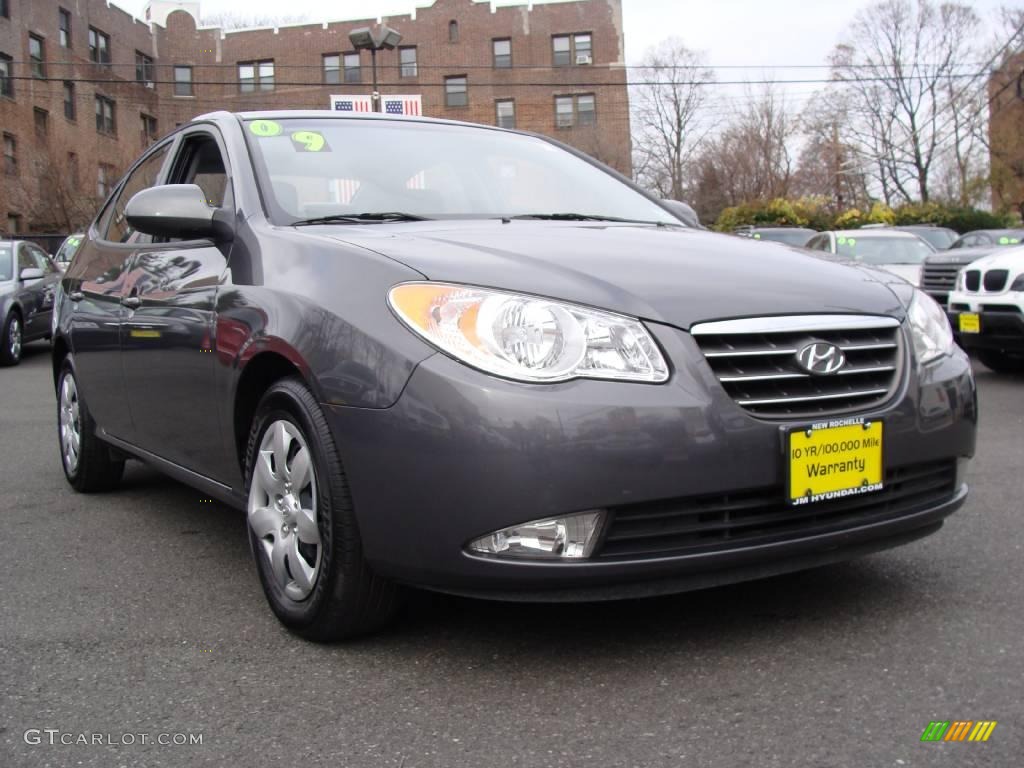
437 452
33 299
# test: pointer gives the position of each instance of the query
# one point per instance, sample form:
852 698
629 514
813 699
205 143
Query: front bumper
1002 322
462 454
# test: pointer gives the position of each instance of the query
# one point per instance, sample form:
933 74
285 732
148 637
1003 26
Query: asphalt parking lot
139 612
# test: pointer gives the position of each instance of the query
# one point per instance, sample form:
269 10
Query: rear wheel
89 464
302 527
1001 362
10 348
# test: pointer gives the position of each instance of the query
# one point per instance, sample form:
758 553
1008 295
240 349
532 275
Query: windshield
788 236
6 268
312 168
69 248
883 250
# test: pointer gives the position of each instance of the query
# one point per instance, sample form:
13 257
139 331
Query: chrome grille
939 279
755 361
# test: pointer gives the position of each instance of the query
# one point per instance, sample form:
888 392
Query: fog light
557 538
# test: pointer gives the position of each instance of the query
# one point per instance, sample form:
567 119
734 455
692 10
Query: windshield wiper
361 218
577 217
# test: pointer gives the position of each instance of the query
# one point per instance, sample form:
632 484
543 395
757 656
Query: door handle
76 295
132 302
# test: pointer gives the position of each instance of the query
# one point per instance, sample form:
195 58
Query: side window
42 261
200 162
143 177
25 260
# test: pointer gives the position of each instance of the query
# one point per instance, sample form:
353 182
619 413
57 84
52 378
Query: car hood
665 274
909 272
1011 259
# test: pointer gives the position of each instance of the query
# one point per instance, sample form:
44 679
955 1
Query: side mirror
176 210
684 212
31 273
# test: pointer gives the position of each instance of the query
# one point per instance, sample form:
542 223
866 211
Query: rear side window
42 261
115 227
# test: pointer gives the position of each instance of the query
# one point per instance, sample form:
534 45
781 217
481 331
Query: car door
95 284
39 292
168 332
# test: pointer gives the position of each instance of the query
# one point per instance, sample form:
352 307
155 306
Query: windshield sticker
1009 240
264 128
309 141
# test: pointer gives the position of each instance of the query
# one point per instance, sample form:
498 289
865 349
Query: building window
6 81
143 68
105 115
505 113
13 223
148 127
182 81
41 121
572 111
332 68
353 73
407 61
99 46
104 179
455 91
10 155
256 74
571 49
73 169
69 100
453 31
36 59
64 24
502 53
5 9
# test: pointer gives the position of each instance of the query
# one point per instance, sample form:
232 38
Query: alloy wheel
70 423
14 338
282 509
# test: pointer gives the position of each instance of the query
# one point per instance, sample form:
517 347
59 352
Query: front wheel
89 465
10 350
302 527
1001 362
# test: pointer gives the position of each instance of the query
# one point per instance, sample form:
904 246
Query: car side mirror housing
32 273
177 210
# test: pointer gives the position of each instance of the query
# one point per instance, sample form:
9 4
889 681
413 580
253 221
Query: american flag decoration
343 190
403 105
352 103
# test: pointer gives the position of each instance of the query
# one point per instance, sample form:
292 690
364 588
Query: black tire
98 467
347 598
10 353
1001 362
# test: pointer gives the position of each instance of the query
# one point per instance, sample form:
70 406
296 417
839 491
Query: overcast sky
760 35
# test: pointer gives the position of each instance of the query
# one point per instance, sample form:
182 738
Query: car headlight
1018 284
528 338
929 328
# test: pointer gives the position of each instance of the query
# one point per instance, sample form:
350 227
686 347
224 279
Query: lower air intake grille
756 362
709 523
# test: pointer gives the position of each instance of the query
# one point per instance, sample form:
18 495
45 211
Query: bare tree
750 159
668 124
60 205
902 70
827 167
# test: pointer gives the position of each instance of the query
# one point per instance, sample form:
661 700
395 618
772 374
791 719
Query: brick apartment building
84 86
1006 134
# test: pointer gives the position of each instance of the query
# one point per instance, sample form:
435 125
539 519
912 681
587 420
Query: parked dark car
797 236
27 282
428 353
939 238
981 238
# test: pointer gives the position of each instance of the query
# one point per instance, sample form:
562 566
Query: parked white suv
988 307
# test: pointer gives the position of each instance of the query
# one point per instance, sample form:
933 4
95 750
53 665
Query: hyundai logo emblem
821 358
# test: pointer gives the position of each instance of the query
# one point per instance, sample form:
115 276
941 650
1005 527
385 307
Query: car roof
329 114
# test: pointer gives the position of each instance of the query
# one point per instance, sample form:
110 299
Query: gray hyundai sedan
432 354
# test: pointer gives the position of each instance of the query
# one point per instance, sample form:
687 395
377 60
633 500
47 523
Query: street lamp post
383 39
